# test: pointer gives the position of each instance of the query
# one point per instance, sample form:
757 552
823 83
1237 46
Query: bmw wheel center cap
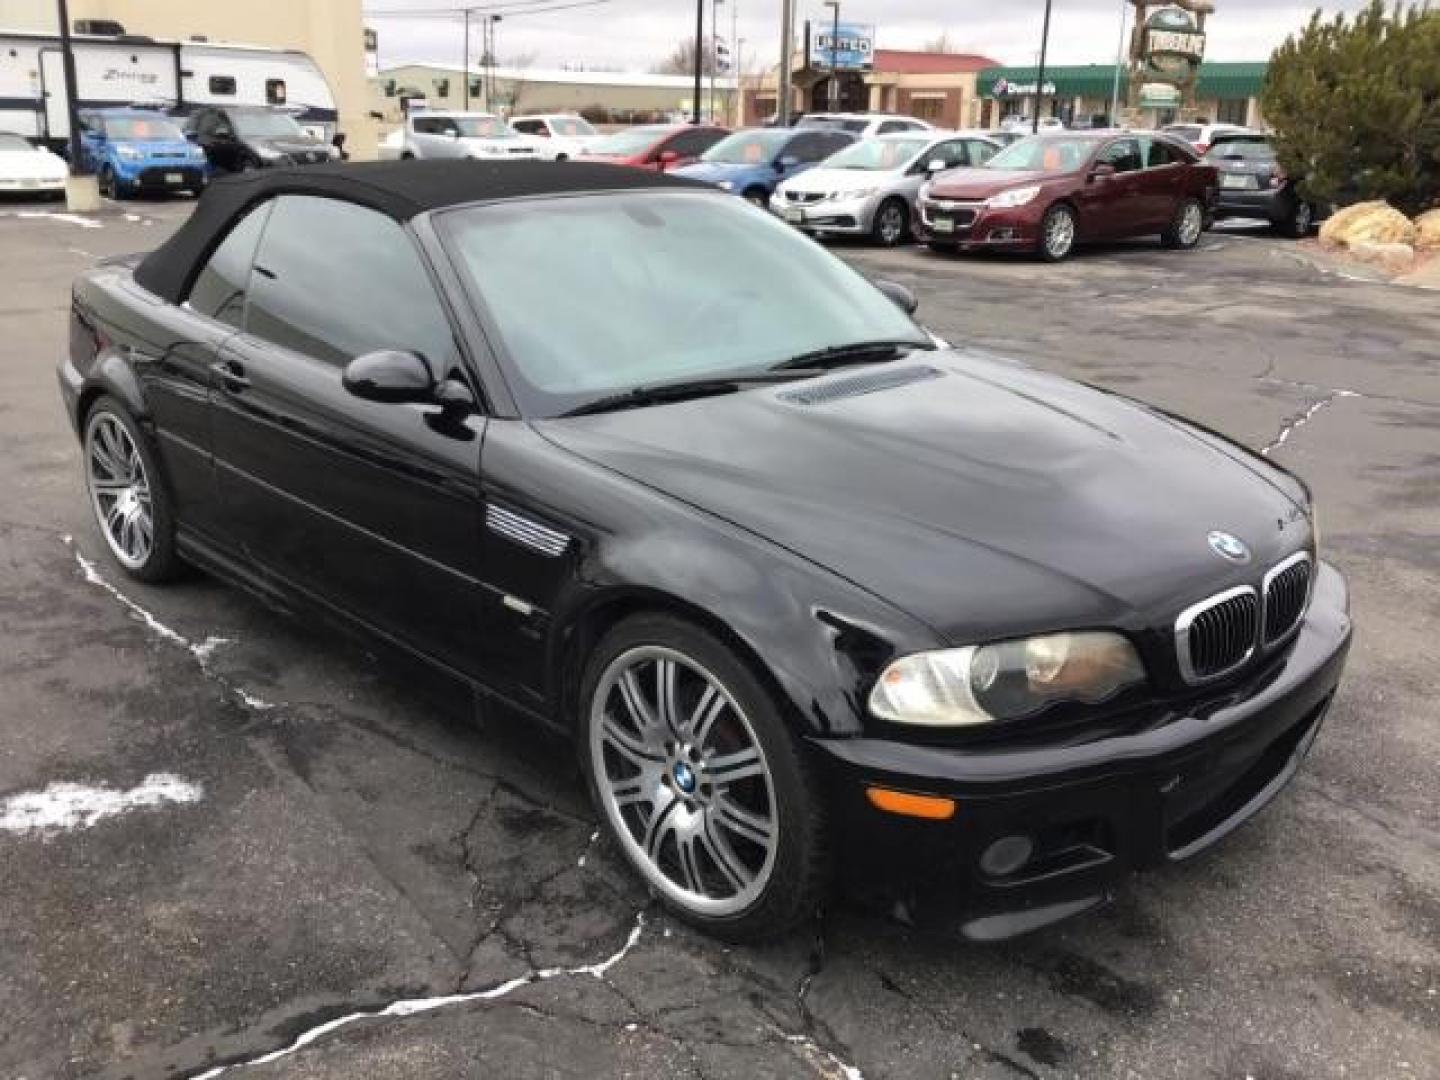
684 777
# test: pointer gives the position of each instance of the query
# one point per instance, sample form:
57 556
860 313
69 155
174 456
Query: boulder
1392 258
1368 222
1427 231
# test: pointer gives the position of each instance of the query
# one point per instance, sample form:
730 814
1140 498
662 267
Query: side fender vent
858 385
524 531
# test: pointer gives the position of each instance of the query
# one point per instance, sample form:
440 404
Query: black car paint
821 541
234 152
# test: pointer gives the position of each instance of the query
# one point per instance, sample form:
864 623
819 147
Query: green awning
1217 80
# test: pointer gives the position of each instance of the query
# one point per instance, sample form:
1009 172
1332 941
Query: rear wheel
127 493
1188 226
699 780
1057 233
758 197
1300 221
109 185
891 224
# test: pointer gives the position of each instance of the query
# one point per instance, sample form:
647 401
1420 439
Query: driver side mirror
451 133
789 161
899 295
936 166
389 376
668 158
1101 171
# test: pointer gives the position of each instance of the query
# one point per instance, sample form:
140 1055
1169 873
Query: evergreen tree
1355 104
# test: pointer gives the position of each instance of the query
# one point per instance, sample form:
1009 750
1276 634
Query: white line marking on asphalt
65 805
823 1060
69 219
201 651
414 1006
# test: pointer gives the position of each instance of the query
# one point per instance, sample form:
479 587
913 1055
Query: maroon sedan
1049 192
657 147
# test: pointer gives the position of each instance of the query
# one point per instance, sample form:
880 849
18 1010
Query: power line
504 7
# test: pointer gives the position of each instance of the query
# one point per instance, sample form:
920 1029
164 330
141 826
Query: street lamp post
699 58
465 64
1119 63
834 6
787 45
714 50
1040 77
72 111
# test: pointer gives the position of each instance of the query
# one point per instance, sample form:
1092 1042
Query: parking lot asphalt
272 830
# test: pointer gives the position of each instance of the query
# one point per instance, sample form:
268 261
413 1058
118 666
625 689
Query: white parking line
64 805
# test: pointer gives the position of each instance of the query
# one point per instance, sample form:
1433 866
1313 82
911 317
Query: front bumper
1091 812
31 185
973 225
163 176
840 216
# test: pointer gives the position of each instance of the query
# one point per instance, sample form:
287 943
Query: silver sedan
869 188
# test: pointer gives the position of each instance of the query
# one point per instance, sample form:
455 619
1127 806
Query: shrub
1355 104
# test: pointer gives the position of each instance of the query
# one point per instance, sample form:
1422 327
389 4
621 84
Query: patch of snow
64 805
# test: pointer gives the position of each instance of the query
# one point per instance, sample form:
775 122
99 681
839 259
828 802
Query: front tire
1057 233
128 495
758 197
891 224
109 185
1299 222
699 780
1185 230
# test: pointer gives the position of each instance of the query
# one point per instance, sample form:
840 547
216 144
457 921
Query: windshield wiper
859 352
661 393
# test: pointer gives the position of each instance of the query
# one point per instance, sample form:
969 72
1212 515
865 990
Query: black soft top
401 189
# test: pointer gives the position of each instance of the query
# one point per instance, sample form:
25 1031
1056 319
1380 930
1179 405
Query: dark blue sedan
752 162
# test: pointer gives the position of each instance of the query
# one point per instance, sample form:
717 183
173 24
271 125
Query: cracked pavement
361 843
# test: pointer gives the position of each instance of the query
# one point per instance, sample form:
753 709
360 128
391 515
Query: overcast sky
635 34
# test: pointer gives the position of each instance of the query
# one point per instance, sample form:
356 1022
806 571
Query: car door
1111 206
369 507
687 146
1163 181
950 154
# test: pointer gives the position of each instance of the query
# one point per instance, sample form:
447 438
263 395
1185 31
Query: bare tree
517 81
681 60
944 43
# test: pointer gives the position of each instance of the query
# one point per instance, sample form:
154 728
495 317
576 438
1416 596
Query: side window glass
1123 155
222 85
1159 153
892 125
981 152
334 281
690 143
219 290
526 127
275 91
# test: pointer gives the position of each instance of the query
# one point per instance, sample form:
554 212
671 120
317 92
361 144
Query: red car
657 147
1049 192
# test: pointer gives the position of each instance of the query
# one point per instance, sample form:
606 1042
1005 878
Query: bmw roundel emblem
1229 547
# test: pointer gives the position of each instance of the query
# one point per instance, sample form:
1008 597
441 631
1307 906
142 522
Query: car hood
165 148
842 180
983 497
30 165
970 184
291 146
714 171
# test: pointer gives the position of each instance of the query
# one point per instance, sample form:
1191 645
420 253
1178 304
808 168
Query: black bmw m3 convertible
808 589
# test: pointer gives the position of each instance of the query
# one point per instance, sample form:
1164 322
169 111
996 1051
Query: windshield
835 123
748 147
878 155
13 142
572 127
482 127
267 125
1244 149
630 141
705 287
126 127
1044 155
1181 131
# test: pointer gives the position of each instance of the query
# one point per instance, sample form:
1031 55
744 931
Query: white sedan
29 169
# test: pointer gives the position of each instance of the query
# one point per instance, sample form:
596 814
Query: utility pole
1040 77
699 58
1119 61
492 63
787 42
72 111
714 51
834 6
465 67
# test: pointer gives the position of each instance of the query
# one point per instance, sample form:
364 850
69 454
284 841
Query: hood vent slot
858 385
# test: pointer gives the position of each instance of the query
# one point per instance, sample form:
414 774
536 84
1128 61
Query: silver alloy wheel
1303 219
684 781
891 224
1192 224
1059 234
119 490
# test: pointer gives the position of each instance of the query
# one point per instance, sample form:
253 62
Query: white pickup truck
433 134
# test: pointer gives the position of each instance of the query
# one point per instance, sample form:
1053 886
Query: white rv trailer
129 70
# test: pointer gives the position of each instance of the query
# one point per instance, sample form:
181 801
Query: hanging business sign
1159 96
852 49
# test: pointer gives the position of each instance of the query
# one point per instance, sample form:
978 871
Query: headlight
726 185
197 154
925 189
128 153
267 153
1015 197
981 684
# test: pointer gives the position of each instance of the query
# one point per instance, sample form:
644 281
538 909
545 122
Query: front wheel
1057 233
700 781
758 197
127 494
892 223
1300 221
1185 230
108 183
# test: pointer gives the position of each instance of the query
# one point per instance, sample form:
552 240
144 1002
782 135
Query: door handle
231 375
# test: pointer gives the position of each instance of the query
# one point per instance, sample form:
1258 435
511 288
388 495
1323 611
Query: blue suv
752 162
140 150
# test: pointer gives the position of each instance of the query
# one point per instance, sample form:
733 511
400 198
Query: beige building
330 31
603 97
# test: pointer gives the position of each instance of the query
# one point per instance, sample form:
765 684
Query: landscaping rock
1369 222
1392 258
1427 231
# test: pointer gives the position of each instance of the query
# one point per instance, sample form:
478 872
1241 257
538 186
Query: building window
223 85
275 91
1233 111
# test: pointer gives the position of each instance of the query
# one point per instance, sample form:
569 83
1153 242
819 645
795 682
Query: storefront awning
1217 80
